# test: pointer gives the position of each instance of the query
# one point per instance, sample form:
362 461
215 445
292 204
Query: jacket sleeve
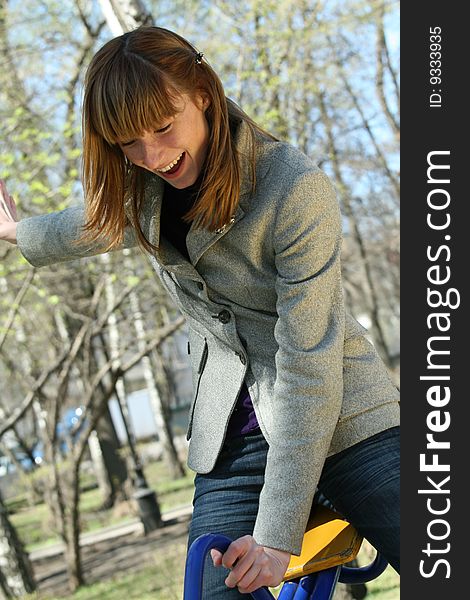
49 239
309 361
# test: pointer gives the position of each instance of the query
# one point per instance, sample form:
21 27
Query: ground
120 563
151 567
106 560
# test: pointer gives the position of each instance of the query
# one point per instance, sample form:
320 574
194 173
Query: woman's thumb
216 557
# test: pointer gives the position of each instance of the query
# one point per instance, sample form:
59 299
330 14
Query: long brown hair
133 83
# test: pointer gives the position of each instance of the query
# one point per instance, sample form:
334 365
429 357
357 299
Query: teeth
171 165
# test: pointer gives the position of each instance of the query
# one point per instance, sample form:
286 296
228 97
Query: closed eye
161 130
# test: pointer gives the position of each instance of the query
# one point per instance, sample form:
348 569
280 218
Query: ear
203 101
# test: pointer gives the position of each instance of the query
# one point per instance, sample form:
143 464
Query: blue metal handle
354 575
200 547
195 566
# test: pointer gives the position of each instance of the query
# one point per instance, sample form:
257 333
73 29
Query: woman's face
177 149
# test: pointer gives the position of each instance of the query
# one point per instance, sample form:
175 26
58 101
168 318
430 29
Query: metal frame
317 586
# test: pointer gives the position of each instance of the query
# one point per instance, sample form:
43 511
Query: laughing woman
245 233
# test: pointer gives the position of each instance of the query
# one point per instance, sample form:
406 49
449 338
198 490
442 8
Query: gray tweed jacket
264 302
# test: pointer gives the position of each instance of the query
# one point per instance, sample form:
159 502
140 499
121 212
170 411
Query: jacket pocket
198 353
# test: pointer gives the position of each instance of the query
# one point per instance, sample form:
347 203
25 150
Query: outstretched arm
50 238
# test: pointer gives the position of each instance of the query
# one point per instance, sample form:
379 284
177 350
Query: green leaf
132 280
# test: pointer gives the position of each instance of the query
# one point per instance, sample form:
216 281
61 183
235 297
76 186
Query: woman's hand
8 218
252 566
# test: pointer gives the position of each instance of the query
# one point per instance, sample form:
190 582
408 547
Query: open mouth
175 167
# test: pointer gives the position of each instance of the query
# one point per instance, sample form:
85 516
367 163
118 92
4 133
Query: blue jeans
362 482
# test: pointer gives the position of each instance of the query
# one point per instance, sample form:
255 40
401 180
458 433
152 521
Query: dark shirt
176 203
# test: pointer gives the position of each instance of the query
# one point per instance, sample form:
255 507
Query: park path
109 551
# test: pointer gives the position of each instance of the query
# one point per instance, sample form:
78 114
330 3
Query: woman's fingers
237 549
7 204
12 207
251 565
248 562
251 580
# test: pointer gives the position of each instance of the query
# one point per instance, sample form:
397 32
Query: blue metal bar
194 570
305 588
318 586
325 584
354 575
288 591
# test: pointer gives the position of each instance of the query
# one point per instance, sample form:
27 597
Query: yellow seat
328 542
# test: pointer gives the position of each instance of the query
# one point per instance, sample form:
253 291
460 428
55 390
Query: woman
245 234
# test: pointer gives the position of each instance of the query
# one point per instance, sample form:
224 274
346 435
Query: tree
16 574
53 386
303 69
125 15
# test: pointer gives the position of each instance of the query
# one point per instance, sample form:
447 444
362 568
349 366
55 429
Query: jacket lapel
199 241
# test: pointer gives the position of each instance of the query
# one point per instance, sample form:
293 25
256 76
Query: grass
164 581
386 587
34 523
160 581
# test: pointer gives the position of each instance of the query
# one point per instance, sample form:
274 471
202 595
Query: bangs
133 96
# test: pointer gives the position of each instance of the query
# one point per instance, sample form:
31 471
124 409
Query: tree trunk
164 431
165 392
115 469
16 574
124 15
138 477
110 469
98 465
72 524
378 331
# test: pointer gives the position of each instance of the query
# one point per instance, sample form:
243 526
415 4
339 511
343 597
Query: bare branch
365 121
16 305
10 421
119 300
381 54
117 370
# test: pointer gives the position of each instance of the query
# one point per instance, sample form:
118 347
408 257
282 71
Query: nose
151 155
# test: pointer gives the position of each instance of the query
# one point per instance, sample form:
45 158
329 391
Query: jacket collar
198 240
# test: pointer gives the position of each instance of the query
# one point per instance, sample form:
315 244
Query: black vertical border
426 129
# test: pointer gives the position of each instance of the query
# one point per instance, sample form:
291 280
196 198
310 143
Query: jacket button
224 316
